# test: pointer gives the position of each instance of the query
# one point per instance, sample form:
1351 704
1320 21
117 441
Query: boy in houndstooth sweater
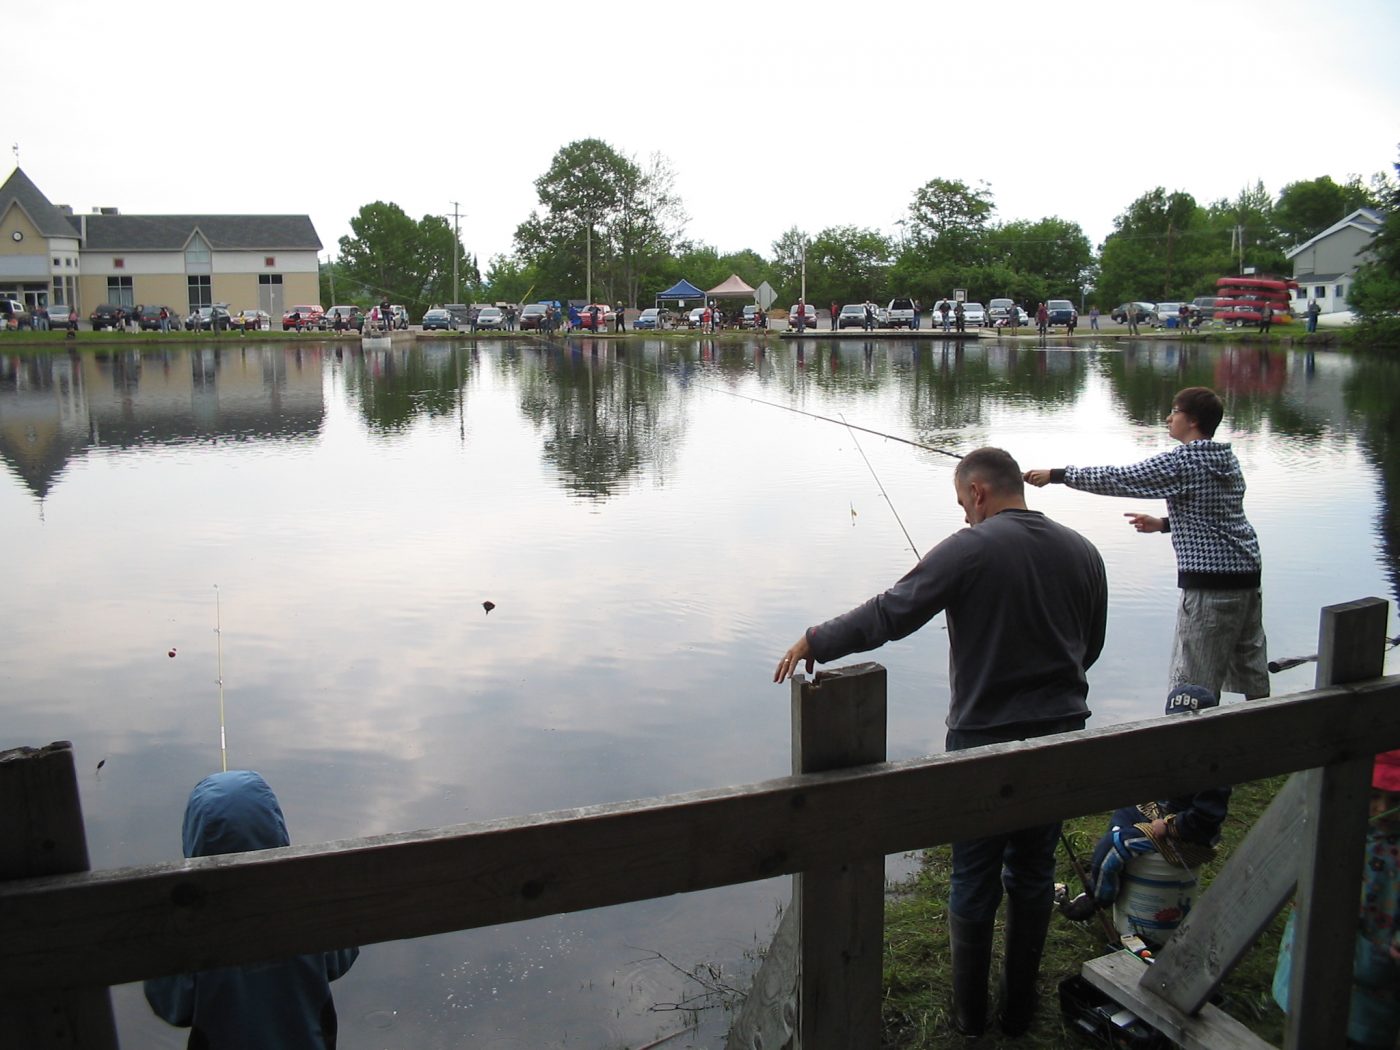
1219 640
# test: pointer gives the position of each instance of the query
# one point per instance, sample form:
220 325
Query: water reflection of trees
394 387
1373 393
603 417
949 386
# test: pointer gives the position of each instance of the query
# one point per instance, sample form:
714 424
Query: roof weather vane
15 148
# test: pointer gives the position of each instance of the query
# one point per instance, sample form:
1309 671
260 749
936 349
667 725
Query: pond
309 534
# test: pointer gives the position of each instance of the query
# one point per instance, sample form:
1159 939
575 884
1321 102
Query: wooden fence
69 933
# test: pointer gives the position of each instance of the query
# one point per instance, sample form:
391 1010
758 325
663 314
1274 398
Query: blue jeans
1022 861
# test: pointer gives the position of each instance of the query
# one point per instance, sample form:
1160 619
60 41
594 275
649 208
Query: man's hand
800 652
1144 522
1038 478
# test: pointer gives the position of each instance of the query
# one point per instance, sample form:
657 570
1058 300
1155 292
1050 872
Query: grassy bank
917 978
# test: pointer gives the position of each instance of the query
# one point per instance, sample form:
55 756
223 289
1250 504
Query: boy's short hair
993 467
1203 405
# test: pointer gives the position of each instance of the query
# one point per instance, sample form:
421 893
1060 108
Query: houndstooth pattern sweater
1216 546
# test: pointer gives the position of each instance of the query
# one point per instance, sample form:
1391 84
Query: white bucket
1153 897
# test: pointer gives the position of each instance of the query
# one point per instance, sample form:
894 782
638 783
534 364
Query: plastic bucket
1173 322
1153 897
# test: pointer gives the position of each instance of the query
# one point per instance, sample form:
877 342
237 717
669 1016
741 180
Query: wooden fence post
839 721
1351 648
41 833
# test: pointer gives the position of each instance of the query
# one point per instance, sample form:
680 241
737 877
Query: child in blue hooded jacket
280 1005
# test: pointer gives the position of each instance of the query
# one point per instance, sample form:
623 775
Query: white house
1324 265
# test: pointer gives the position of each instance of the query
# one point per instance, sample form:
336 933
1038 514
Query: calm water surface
654 530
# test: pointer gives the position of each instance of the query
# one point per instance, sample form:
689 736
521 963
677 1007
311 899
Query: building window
1341 291
57 298
1298 293
269 278
119 264
198 258
200 292
1319 291
269 261
56 264
119 291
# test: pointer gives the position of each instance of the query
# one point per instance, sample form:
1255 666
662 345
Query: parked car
649 318
748 318
695 318
348 317
974 314
148 318
900 313
852 315
301 317
460 313
491 317
1141 312
439 319
999 310
605 316
810 312
14 315
1164 312
214 318
251 321
1205 305
532 315
1061 311
107 315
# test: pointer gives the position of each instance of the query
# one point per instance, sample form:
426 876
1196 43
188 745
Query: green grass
917 979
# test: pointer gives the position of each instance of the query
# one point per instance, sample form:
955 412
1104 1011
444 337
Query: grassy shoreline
917 977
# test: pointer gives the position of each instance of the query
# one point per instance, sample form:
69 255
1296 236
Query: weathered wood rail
69 933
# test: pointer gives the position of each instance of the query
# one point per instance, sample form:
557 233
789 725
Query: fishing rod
1275 666
786 408
219 634
882 488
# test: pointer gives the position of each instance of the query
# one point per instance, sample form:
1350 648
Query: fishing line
219 635
772 404
882 488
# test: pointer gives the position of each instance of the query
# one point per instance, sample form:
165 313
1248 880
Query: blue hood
232 812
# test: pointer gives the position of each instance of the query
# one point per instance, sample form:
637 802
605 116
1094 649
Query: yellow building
50 256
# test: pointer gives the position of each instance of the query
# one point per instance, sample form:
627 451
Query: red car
306 317
605 317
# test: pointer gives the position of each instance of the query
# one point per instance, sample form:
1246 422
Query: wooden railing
69 933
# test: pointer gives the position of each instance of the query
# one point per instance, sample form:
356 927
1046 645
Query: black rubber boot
971 944
1026 925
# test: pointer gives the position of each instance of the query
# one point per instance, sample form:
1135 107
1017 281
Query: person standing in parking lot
959 318
1130 312
1266 318
918 309
944 308
1042 319
620 319
835 314
1094 318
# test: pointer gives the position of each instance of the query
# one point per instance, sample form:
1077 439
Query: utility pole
456 244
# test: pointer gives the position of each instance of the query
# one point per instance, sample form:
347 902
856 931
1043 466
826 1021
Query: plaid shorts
1220 642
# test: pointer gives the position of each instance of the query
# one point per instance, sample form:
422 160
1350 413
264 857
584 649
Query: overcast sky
773 113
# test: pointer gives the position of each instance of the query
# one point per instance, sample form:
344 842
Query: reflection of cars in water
810 312
301 317
492 317
437 318
1061 311
532 316
648 318
852 315
974 314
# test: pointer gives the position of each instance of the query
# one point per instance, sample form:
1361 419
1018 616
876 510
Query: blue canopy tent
681 291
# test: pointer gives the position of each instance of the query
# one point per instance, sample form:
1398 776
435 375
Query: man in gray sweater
1027 603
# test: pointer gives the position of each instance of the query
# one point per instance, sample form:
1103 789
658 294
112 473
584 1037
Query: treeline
611 228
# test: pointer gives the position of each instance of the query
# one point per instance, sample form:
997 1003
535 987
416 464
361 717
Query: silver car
974 314
491 317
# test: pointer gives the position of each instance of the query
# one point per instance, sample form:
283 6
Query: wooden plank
768 1018
1245 895
1351 647
839 721
1117 975
41 834
115 926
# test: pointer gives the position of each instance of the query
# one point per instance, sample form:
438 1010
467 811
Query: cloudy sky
772 114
